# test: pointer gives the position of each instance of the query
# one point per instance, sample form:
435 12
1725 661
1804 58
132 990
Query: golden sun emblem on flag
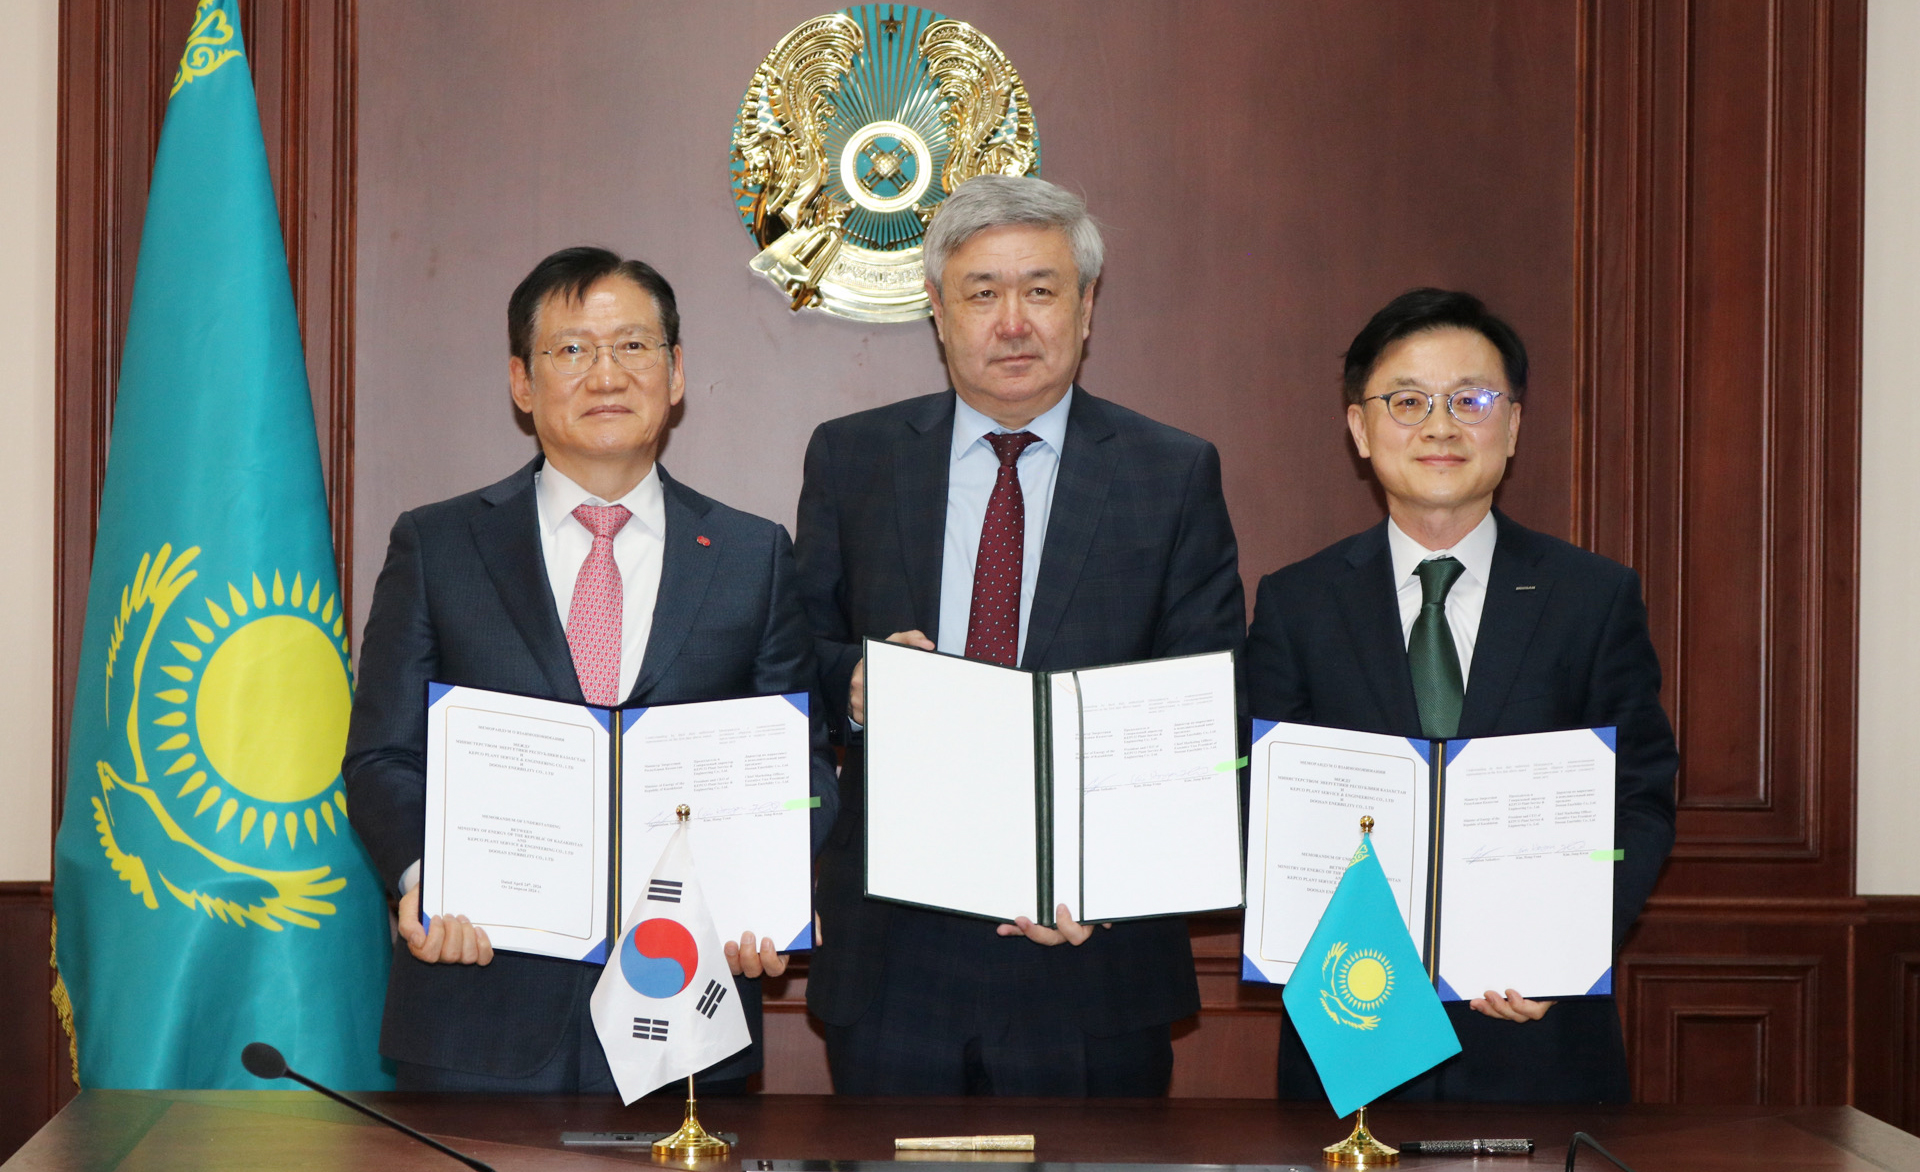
236 708
1356 982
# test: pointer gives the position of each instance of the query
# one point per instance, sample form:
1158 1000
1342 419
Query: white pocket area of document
963 732
516 822
1528 866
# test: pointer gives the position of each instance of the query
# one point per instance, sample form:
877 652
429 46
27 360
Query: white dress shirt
1469 594
637 550
971 471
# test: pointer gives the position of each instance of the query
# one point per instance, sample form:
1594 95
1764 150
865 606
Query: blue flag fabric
208 890
1361 1000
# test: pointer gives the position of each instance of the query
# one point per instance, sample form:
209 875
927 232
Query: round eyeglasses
1410 408
577 356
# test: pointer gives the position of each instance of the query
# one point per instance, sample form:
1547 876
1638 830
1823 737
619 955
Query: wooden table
209 1131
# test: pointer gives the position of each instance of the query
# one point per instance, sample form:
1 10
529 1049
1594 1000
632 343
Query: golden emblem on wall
852 131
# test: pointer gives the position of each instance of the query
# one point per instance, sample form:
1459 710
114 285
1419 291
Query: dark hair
1419 310
568 274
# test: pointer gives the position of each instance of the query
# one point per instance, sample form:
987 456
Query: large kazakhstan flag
208 889
1359 997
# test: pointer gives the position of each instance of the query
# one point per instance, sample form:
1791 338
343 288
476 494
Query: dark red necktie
993 623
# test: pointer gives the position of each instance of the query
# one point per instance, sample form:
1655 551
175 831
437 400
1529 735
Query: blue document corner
1604 985
631 717
1610 737
803 941
1446 991
1250 971
598 955
435 691
799 700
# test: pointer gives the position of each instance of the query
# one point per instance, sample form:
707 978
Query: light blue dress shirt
971 471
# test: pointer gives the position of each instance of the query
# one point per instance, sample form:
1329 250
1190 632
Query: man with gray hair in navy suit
1013 518
590 575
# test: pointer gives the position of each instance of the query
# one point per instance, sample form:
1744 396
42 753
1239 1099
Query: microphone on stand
263 1061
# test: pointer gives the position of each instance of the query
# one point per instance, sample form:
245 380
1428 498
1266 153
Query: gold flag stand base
692 1142
1359 1150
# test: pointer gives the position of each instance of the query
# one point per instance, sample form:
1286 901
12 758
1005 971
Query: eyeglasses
577 356
1469 405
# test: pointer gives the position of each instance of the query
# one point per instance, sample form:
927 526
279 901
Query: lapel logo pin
1523 587
703 539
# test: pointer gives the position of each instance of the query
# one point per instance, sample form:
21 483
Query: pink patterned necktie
593 619
993 622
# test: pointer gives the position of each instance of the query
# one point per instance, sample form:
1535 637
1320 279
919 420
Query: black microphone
263 1061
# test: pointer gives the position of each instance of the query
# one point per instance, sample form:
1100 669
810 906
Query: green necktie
1430 652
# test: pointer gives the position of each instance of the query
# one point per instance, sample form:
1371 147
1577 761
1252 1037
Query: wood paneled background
1711 270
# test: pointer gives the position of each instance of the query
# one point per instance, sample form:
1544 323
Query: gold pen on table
965 1143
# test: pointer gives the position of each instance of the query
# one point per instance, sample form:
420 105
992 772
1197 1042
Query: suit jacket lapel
686 570
508 539
1371 609
1079 497
1507 622
921 458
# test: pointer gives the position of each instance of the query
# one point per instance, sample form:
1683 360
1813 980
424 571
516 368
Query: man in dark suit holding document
588 576
1015 519
1449 620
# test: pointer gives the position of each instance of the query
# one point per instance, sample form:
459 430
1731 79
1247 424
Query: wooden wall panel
32 1047
1886 1010
1720 370
1736 1031
1720 360
1716 452
1742 1003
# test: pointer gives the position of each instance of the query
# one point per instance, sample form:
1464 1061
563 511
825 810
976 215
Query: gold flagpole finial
692 1143
1366 823
1361 1150
683 812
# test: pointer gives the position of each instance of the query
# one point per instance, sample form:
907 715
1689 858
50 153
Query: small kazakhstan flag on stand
208 890
1361 999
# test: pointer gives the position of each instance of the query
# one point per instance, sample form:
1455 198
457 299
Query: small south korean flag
665 1006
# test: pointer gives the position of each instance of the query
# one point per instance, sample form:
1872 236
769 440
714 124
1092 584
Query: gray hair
993 201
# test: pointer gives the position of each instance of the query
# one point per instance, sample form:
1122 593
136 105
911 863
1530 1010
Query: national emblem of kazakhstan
234 697
852 131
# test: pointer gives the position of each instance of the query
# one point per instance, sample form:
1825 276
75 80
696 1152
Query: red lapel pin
704 540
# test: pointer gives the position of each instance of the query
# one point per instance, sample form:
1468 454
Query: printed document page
1310 787
951 811
1159 787
1527 869
517 806
742 768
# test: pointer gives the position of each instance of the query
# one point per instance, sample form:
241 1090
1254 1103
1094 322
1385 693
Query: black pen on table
1467 1147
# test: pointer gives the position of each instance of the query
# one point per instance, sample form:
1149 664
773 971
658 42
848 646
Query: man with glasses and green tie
589 576
1449 620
